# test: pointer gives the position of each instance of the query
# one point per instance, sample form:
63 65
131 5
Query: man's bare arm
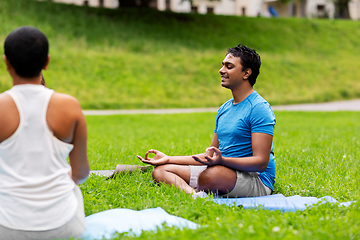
161 158
261 146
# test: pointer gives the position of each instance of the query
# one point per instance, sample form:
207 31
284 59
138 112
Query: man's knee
162 172
207 179
158 172
217 179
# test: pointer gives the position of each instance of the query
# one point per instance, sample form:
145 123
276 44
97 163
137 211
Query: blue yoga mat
105 224
278 202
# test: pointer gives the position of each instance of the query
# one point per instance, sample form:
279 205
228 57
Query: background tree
135 3
342 9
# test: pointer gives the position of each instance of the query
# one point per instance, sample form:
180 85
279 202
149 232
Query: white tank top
36 191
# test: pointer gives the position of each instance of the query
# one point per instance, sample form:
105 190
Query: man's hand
159 158
212 157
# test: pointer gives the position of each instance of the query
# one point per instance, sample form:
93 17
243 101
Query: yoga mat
105 224
278 202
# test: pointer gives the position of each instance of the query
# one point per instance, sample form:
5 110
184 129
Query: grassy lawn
316 155
141 58
136 58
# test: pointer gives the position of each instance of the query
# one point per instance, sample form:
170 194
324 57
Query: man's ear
247 73
47 62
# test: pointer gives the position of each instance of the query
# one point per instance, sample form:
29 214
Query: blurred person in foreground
39 129
240 160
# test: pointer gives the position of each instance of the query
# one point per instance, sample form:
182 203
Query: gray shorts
248 184
74 228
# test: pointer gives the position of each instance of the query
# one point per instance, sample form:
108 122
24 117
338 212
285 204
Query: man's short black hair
249 59
27 50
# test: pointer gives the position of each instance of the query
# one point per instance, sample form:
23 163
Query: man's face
231 72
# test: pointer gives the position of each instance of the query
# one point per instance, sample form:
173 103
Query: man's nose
221 69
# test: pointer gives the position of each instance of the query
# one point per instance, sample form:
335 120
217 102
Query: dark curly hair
27 50
249 58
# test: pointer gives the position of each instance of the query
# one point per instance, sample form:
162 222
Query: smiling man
240 161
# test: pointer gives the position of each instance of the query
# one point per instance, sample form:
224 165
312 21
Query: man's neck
240 94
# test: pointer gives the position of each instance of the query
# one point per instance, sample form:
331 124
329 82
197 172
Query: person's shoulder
255 98
226 104
64 98
5 99
223 108
64 103
3 96
260 106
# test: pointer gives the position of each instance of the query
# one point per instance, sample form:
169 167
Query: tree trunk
291 8
342 9
134 3
303 8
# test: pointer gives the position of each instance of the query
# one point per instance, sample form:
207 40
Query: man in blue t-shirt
240 161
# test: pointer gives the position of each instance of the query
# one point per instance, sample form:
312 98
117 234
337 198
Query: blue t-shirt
236 122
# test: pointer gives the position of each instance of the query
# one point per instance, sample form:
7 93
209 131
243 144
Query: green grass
142 58
130 58
317 154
